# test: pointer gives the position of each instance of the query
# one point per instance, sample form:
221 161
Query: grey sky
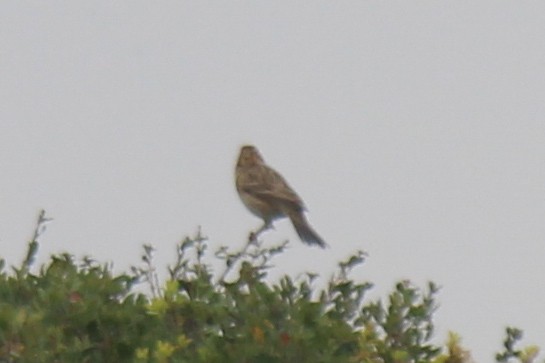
412 130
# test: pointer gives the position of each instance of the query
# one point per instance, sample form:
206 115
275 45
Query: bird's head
249 156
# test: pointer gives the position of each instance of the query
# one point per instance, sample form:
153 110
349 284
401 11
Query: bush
81 312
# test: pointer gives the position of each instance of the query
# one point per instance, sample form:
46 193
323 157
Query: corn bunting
267 195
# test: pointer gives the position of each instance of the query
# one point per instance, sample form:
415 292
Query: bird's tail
305 231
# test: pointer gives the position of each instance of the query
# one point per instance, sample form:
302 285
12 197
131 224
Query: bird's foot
263 228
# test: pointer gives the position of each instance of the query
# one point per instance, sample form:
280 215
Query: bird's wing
267 184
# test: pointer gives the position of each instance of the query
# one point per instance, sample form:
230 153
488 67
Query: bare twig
253 250
232 259
33 244
148 272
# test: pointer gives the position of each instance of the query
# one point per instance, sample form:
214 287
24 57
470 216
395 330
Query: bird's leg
263 228
267 225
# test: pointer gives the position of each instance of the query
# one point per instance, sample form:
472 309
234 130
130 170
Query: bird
267 195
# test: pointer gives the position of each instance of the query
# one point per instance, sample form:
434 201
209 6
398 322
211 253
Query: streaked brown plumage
267 195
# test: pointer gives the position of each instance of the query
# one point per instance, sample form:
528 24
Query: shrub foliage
72 311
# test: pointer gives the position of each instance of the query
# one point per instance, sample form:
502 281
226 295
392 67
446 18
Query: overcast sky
413 130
